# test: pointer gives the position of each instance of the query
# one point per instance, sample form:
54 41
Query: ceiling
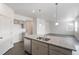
65 11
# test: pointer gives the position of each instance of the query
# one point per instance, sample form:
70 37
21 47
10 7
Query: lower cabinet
53 50
39 48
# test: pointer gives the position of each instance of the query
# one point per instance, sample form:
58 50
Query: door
28 25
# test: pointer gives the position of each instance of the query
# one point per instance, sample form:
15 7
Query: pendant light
56 15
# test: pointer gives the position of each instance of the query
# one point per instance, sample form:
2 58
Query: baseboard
8 49
18 41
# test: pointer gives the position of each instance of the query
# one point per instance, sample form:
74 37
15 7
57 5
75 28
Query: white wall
7 28
43 26
76 32
48 26
66 28
40 26
9 31
6 20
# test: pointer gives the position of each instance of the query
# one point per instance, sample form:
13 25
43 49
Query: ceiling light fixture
56 23
39 13
56 15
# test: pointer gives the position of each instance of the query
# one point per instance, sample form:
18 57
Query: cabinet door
39 48
43 50
35 48
53 50
27 45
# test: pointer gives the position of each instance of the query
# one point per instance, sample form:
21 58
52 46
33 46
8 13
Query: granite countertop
54 40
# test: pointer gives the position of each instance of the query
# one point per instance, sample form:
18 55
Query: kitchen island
54 46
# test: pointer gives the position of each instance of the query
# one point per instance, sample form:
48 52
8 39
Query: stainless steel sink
42 38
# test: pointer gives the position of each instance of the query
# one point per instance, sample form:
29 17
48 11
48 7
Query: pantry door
29 27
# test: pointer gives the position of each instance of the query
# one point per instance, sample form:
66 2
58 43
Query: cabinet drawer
60 50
